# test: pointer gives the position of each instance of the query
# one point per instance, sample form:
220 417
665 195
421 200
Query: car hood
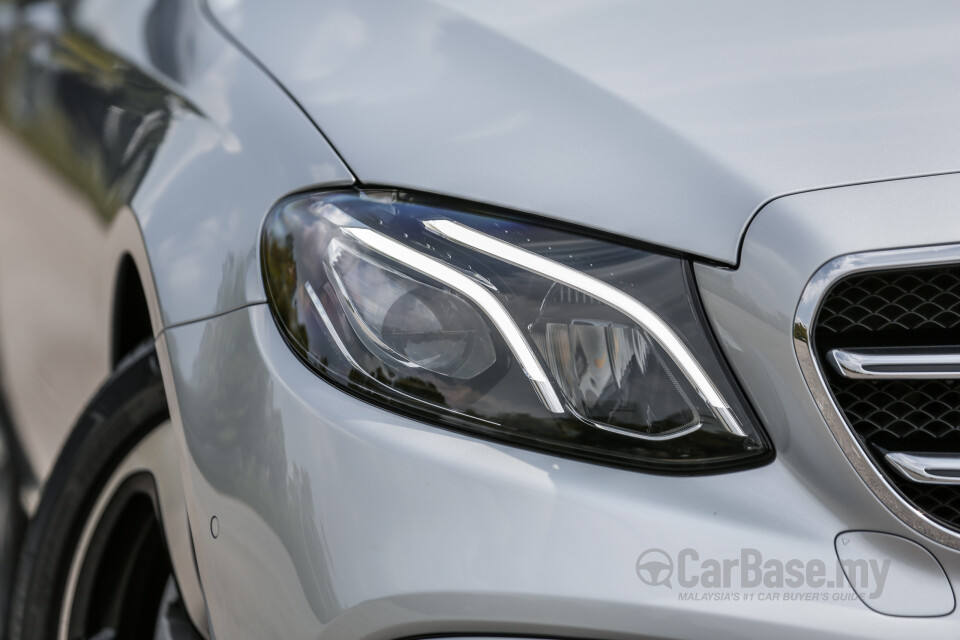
671 123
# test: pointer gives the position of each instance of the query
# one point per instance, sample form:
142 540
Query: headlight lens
505 329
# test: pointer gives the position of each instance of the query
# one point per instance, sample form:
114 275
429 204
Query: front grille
903 308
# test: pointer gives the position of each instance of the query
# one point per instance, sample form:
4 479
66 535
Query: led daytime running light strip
599 290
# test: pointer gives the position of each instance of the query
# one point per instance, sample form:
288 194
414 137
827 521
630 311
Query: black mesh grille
899 413
898 308
893 300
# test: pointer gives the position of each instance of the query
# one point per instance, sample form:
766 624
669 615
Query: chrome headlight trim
807 309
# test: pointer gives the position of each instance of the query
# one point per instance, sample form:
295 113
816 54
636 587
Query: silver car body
763 140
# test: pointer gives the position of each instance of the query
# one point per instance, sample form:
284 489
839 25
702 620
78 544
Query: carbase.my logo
655 567
749 570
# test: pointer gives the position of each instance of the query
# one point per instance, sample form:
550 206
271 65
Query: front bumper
340 520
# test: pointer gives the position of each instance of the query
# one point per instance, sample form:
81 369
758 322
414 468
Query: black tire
128 406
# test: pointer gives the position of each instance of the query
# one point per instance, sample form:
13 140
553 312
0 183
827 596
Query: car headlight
507 329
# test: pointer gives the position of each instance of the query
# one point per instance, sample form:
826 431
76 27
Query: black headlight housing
492 325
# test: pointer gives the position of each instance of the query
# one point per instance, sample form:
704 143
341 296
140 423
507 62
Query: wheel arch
134 316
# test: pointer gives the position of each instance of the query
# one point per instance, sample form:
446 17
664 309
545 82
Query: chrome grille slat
896 364
926 469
